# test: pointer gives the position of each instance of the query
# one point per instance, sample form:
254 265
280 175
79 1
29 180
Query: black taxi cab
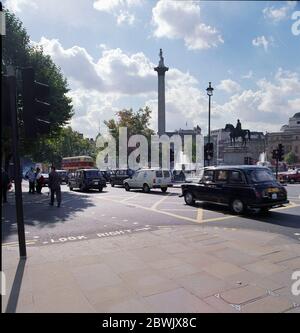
86 179
239 187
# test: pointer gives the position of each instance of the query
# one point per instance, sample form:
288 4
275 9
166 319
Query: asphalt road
115 212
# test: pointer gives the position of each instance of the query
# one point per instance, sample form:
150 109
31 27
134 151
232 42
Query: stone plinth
236 155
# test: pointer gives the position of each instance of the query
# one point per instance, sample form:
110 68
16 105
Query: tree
66 143
291 158
18 52
135 122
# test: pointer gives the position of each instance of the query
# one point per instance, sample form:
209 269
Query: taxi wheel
112 184
164 189
237 206
127 188
189 199
81 188
146 188
100 189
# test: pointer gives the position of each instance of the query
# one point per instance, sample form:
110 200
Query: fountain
263 160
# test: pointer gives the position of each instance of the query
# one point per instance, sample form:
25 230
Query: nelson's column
161 69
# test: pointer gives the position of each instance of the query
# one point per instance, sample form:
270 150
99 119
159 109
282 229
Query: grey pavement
172 269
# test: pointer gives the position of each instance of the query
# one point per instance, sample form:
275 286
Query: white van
146 179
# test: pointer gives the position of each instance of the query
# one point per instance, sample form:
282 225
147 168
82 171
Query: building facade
288 136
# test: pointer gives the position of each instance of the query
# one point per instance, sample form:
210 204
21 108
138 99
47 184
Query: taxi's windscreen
261 176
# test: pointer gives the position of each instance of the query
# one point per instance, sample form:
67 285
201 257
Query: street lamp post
209 91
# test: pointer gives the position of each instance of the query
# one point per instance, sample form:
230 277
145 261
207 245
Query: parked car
86 179
146 179
291 176
63 176
239 187
106 175
45 179
119 175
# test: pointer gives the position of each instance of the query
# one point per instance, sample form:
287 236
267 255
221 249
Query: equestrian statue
238 132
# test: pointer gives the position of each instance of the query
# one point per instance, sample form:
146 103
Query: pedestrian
39 181
4 185
31 179
54 186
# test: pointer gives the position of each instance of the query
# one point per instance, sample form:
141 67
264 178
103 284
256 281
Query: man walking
54 185
31 179
39 181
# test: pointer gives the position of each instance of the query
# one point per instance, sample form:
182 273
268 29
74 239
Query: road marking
132 197
28 242
179 209
200 215
154 206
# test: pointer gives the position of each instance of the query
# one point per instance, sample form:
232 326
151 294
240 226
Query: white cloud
179 19
249 75
111 5
280 13
229 86
271 104
17 6
263 41
125 17
114 71
117 80
119 8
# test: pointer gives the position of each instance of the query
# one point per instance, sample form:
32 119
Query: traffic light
5 103
274 154
280 152
208 151
35 108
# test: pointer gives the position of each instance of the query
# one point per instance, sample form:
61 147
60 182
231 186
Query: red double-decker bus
77 162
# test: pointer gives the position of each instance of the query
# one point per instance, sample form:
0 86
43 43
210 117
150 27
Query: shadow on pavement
272 217
38 212
16 287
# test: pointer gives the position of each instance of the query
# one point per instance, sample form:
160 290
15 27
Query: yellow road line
134 196
160 201
17 243
200 215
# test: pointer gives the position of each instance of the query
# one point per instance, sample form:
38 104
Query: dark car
45 179
239 187
106 175
86 179
118 176
63 176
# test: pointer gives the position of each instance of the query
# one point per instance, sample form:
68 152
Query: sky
107 50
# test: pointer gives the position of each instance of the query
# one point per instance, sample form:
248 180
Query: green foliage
66 143
18 52
291 158
136 123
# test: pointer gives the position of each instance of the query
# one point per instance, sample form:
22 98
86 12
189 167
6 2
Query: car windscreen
92 174
166 174
260 176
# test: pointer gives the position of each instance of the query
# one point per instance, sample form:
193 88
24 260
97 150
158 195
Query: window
236 177
166 174
208 176
222 175
159 174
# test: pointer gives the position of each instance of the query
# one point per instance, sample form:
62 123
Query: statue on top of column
161 61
